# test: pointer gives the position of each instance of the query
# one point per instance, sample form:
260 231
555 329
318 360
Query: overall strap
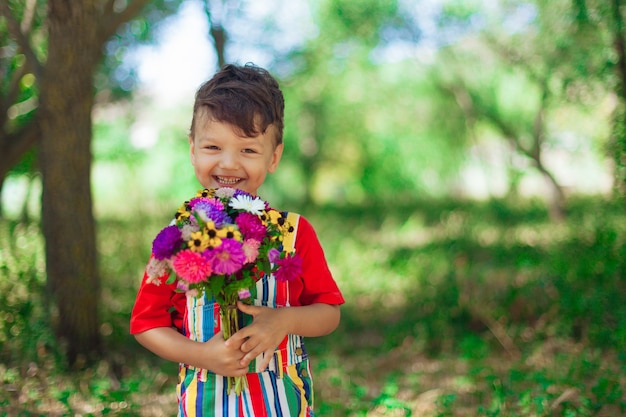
289 242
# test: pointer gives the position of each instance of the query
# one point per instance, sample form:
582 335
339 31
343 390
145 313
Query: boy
236 139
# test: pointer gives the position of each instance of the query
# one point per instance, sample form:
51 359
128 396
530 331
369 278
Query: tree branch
12 93
112 20
217 33
14 145
23 42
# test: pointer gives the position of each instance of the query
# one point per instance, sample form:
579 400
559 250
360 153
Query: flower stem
230 326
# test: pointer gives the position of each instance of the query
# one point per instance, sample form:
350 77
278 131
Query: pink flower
289 268
228 257
244 293
191 266
251 226
194 201
251 249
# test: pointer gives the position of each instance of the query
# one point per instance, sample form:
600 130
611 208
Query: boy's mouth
226 180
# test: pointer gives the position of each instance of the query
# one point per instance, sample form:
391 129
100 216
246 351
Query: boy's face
223 158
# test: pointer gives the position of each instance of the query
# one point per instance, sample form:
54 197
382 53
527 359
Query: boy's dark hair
247 97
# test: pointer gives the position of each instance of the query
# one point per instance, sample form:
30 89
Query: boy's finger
248 309
267 357
236 340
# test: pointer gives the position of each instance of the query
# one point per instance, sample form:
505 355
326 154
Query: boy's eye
211 147
248 150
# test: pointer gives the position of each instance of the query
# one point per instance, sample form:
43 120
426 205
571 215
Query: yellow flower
207 192
230 232
183 212
199 242
274 216
212 234
280 221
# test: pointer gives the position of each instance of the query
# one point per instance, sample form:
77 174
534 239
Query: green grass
453 309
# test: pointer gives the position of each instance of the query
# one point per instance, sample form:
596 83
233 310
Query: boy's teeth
229 181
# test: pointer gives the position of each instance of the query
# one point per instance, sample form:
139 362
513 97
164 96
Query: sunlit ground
453 309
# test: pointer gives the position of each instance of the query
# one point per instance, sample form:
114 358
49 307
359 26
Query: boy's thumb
246 308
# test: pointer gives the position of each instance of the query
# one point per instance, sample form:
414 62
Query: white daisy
245 202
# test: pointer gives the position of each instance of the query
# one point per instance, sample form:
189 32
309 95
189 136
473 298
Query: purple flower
209 211
166 242
251 226
239 192
228 257
273 255
219 217
197 201
289 268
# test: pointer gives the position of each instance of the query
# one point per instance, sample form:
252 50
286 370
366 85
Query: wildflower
224 192
183 212
191 266
229 232
217 203
182 286
187 229
197 201
206 193
273 255
251 226
156 269
244 293
289 268
274 216
251 249
227 258
166 242
279 220
199 242
247 203
212 232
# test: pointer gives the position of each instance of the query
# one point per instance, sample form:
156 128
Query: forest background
464 163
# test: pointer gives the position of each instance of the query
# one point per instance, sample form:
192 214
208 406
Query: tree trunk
65 160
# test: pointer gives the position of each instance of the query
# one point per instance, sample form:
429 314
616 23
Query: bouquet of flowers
221 242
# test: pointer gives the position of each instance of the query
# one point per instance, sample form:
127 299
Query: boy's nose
229 161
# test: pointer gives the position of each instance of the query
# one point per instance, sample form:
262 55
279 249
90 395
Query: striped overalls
283 389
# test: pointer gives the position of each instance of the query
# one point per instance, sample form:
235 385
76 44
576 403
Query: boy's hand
225 359
262 336
213 354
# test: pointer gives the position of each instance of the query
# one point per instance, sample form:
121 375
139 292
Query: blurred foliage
20 78
458 308
455 306
117 76
387 98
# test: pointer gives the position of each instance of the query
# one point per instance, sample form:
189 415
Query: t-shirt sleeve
157 306
318 284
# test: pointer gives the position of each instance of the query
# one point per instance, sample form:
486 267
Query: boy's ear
276 155
191 151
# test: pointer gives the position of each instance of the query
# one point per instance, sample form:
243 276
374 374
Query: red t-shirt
162 306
